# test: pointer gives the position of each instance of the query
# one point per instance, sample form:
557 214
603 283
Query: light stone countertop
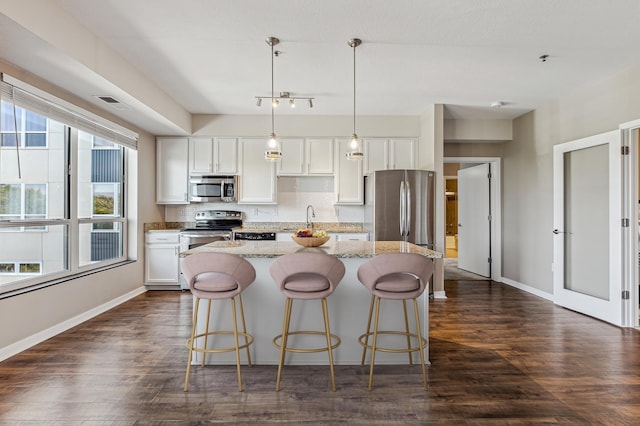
341 249
337 227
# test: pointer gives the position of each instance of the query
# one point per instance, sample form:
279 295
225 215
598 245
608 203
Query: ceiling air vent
113 102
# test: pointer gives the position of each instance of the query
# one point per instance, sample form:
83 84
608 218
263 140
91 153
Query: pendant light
273 150
355 144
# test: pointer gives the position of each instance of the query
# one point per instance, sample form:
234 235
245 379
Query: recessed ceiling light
497 104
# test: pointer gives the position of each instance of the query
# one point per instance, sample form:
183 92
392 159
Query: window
31 127
20 268
64 214
23 201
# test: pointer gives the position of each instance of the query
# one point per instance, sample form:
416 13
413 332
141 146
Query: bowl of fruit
310 238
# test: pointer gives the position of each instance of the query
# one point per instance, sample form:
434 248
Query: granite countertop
337 227
341 249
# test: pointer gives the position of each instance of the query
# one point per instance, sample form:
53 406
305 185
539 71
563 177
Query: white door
587 216
474 220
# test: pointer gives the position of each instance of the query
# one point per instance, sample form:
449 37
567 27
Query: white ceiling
210 57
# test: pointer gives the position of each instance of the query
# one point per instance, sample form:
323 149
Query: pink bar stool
396 276
306 276
217 276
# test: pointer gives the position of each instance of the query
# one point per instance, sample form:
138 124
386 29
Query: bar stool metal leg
328 333
244 330
206 333
235 339
406 327
421 344
191 342
373 344
283 341
366 339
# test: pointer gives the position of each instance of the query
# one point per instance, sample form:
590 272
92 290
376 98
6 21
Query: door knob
555 231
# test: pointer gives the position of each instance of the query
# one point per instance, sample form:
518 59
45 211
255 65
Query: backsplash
294 195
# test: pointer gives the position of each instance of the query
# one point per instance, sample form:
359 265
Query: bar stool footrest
277 342
422 340
189 343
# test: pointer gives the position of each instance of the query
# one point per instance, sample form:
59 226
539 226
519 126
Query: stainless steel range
211 226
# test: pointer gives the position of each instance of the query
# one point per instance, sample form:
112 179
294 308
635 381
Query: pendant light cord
354 88
272 92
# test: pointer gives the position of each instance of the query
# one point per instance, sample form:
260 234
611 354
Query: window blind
40 102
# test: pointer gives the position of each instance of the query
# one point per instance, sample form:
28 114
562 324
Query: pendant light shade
354 151
273 150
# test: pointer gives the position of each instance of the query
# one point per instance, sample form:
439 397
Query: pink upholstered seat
307 276
215 276
398 276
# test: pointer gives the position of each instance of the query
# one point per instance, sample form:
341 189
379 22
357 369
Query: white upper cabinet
319 154
300 157
257 178
293 158
348 180
172 171
402 153
213 156
385 154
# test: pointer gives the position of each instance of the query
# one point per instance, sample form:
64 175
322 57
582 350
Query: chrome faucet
313 214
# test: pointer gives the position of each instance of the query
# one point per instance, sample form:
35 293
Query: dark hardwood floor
499 356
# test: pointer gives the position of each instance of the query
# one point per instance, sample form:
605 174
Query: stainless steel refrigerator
400 206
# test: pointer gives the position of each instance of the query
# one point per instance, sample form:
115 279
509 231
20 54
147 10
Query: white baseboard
527 288
439 295
43 335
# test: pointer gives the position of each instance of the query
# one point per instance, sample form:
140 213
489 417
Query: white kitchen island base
348 313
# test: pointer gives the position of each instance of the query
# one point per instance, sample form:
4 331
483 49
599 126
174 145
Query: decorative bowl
310 241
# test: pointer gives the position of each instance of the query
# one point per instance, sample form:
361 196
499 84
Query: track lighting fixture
285 96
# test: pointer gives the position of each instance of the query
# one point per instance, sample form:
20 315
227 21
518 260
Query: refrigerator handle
407 227
402 208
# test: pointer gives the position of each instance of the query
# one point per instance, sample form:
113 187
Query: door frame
495 206
630 187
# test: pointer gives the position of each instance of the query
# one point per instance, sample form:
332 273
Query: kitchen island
348 305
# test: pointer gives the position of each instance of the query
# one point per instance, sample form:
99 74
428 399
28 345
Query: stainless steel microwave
206 189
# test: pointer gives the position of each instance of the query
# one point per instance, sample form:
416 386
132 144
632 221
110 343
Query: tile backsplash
294 195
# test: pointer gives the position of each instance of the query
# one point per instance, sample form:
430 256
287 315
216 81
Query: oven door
192 239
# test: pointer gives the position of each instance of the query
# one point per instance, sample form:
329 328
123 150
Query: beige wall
473 149
528 170
36 311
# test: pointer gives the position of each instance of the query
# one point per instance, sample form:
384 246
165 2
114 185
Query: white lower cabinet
161 258
352 236
333 236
